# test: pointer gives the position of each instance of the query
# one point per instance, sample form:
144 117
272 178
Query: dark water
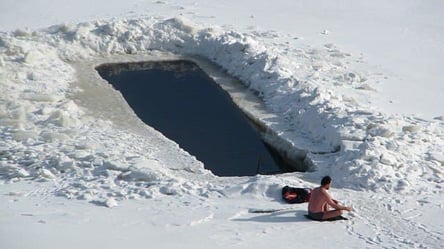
182 102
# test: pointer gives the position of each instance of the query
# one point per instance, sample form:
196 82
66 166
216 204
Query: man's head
326 181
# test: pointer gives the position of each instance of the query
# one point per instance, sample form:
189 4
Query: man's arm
334 203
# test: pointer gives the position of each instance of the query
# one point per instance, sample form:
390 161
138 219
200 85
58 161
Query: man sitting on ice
320 203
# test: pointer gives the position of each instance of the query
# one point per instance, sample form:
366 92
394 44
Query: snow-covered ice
354 87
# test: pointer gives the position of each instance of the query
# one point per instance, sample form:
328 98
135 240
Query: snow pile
320 92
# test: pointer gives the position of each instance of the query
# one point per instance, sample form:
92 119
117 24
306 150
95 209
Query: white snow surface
357 85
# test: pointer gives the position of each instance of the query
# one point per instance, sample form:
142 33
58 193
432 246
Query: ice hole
182 102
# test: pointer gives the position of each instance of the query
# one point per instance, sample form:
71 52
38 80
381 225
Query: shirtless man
320 201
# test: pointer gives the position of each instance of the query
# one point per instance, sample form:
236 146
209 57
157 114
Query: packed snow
78 168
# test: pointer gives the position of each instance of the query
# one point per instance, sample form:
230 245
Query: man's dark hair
325 180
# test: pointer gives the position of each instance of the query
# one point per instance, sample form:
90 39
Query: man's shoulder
316 189
323 191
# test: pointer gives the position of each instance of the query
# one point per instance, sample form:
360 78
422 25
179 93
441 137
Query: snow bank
321 93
